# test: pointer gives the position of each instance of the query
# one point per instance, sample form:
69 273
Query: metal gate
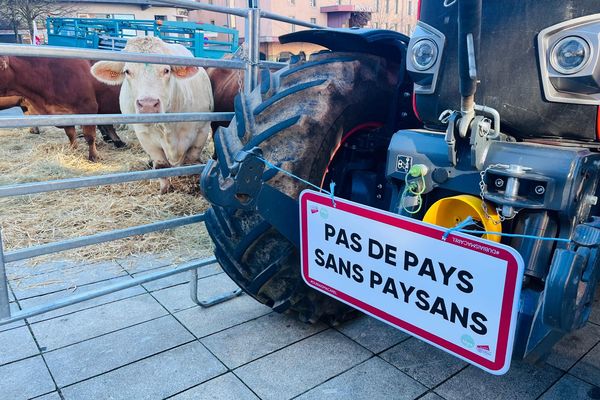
251 64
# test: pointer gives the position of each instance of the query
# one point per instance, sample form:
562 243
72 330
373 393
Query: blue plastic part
95 33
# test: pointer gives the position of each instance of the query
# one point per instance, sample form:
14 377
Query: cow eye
166 71
126 72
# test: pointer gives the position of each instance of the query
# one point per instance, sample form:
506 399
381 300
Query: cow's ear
109 72
184 71
3 63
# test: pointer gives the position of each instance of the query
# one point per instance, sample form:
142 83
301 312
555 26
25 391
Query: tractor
489 110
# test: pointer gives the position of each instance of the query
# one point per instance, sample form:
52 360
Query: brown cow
225 85
60 86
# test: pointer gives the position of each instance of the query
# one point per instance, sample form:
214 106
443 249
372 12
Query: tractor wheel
297 117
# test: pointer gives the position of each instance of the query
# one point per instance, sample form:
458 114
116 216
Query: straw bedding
38 219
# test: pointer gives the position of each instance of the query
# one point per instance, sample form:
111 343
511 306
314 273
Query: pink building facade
399 15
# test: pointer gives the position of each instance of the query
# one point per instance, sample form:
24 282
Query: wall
148 14
399 19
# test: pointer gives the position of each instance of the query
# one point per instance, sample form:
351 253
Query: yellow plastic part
450 211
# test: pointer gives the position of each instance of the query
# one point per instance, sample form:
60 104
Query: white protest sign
459 294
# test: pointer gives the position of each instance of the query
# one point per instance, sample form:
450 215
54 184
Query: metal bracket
238 190
451 137
573 278
211 301
244 189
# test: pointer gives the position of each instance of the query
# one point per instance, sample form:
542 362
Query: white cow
152 88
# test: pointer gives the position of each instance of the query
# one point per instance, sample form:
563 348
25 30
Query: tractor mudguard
387 44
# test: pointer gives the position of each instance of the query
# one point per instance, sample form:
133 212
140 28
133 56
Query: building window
410 10
409 30
212 22
293 25
376 5
160 17
375 25
393 27
313 3
293 1
387 6
397 7
313 21
210 2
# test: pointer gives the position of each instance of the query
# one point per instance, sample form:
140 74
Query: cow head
149 86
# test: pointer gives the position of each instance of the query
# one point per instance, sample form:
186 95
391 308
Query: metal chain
483 189
241 54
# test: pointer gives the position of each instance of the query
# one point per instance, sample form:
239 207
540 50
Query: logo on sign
404 163
467 341
484 349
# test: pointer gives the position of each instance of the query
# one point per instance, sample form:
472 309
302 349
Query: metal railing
250 64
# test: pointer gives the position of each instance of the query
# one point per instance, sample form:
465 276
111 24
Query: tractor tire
297 117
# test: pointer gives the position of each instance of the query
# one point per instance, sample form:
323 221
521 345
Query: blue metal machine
112 34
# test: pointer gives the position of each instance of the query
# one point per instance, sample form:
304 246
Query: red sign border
511 282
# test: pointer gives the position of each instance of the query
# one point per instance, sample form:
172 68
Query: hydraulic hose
469 37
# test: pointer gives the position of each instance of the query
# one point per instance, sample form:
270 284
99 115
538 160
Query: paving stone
155 377
372 333
64 279
588 368
95 356
301 366
27 268
13 309
49 396
251 340
85 324
431 396
178 279
39 300
595 315
205 321
569 387
25 379
224 387
372 380
177 298
523 381
16 344
423 362
145 262
572 347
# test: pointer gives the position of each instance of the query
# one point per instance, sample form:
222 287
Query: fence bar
4 302
253 47
212 301
69 244
272 64
277 17
108 289
110 119
90 54
100 180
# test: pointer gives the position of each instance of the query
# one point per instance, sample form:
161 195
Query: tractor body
493 100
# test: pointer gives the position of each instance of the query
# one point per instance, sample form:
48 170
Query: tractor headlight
424 54
570 55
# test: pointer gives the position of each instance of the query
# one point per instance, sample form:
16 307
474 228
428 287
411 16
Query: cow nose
148 105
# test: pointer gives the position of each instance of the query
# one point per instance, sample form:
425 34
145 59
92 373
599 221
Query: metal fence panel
252 15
